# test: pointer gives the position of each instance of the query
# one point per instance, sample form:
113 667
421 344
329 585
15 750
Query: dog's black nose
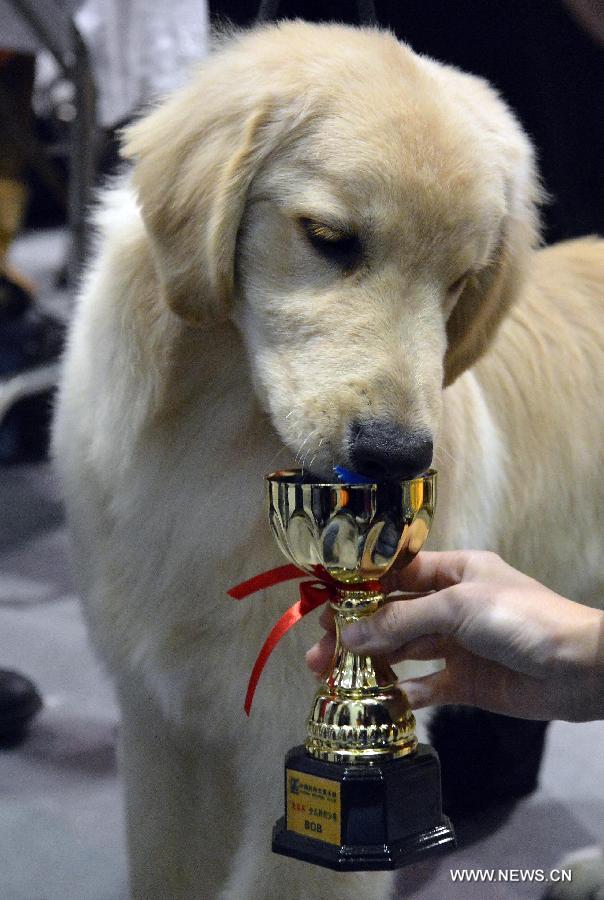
386 451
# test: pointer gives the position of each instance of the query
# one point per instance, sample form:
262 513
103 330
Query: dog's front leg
259 875
176 800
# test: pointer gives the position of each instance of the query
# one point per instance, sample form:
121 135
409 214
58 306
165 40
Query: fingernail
355 635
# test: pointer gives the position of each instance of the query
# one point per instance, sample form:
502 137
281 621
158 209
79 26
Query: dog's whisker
303 460
306 439
306 455
446 452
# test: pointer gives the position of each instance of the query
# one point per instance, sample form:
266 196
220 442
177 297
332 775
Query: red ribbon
312 595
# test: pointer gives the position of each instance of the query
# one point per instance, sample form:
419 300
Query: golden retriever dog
326 250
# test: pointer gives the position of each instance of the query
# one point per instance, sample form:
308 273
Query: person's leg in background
28 339
17 72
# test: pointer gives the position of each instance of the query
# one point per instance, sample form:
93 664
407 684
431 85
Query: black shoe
19 703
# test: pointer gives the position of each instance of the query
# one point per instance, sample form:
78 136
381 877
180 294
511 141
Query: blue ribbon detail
347 477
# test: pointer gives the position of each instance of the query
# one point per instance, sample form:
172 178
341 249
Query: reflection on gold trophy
361 793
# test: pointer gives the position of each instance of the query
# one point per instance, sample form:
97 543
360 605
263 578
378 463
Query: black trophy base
356 818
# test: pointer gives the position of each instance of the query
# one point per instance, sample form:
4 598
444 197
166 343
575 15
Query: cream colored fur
212 344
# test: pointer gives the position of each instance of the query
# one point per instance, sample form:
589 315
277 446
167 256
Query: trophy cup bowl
360 747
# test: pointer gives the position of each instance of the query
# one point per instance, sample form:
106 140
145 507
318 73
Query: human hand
510 644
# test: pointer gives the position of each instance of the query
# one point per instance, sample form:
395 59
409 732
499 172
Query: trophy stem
359 713
351 671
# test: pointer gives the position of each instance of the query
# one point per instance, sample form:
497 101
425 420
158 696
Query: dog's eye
339 247
454 293
455 289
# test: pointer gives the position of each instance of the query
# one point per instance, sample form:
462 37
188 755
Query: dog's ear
195 157
488 296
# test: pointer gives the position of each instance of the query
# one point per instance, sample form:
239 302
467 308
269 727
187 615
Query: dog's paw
486 759
587 876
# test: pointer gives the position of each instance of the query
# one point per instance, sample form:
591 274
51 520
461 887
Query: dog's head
363 214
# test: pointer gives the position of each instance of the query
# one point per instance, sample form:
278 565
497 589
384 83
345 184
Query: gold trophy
361 793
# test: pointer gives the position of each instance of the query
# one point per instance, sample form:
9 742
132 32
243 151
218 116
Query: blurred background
72 72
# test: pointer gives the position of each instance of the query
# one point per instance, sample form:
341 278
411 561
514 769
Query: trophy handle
359 713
